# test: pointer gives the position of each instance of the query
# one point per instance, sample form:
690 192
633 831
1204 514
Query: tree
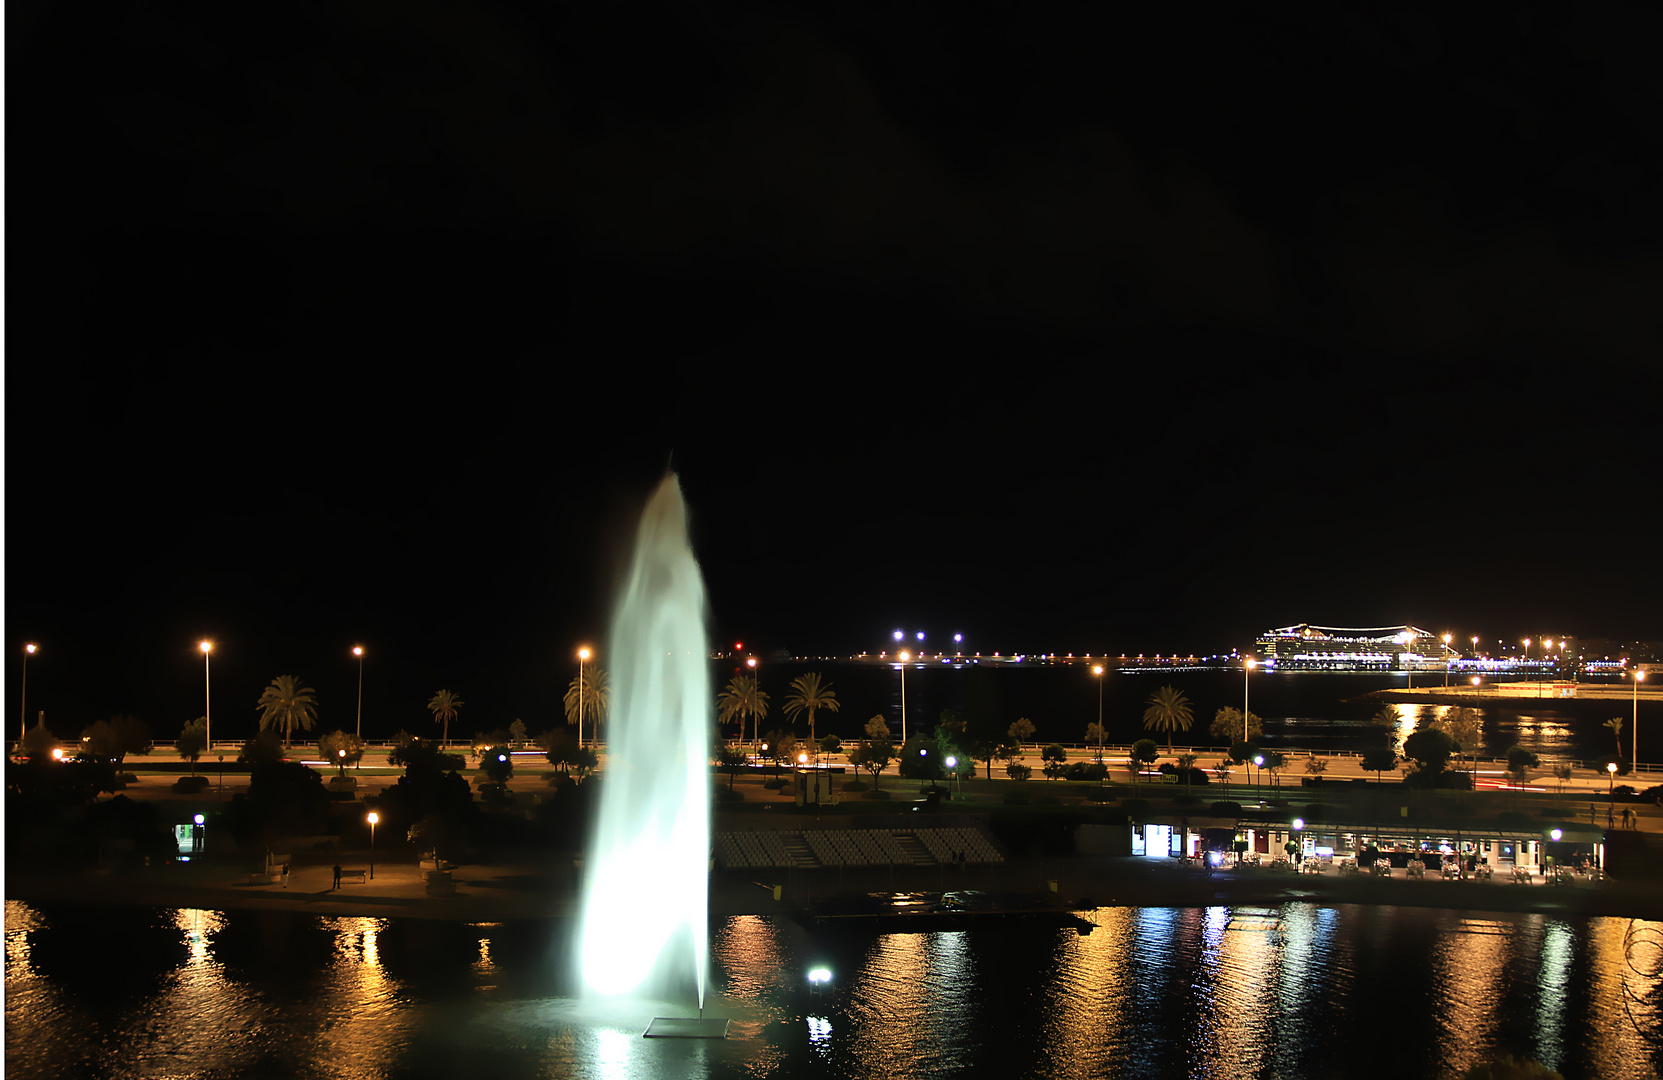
589 686
732 759
830 744
809 695
1169 711
193 741
340 749
1022 729
1429 748
263 749
1562 773
780 747
877 728
873 755
1144 752
1094 734
1018 771
1243 752
286 705
516 731
1316 766
1186 765
1616 726
1520 760
1053 756
743 698
1275 762
1465 730
991 749
114 739
1379 760
443 706
497 763
1226 726
1222 770
1387 718
921 758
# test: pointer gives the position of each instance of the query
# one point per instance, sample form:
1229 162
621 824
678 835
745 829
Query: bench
352 875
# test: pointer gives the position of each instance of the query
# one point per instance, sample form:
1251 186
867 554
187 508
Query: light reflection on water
1284 991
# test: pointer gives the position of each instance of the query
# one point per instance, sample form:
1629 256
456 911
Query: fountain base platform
685 1027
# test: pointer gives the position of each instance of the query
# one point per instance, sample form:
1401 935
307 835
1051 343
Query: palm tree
1616 726
287 704
1169 711
743 697
443 707
592 689
807 695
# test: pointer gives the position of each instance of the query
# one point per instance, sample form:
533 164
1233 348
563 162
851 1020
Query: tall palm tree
443 707
286 704
808 695
743 697
1169 711
590 687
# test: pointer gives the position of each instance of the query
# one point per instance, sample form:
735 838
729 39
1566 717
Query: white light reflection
1553 981
819 1036
1470 960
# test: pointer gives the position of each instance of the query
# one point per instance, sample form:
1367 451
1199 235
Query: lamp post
1247 667
207 696
582 655
1258 760
904 657
1611 793
756 722
1526 659
28 651
1447 639
372 818
358 651
1634 754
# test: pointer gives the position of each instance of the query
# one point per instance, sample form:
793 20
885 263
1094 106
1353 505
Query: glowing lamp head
583 654
751 663
1251 663
920 635
1097 669
1298 824
340 753
802 759
206 647
199 819
502 757
1476 680
1555 834
372 817
1448 638
904 655
358 651
29 648
958 638
898 635
952 762
1259 759
1639 676
819 976
1611 767
57 753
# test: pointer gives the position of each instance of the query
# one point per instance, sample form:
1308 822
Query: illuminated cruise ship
1339 648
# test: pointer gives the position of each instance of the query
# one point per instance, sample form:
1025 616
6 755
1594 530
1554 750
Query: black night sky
377 322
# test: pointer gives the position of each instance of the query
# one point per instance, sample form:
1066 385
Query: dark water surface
1292 991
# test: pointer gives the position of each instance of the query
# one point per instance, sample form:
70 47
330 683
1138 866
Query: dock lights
819 976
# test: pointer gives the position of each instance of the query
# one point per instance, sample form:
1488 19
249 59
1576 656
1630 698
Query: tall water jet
647 889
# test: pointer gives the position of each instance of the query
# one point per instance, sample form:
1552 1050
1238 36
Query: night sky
377 323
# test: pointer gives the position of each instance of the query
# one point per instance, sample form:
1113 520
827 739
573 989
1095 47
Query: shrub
1017 771
190 785
878 793
1085 770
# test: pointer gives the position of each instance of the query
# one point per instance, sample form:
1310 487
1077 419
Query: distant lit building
1337 648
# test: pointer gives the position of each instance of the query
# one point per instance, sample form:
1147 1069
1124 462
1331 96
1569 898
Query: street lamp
372 817
208 698
1611 793
1447 639
1634 754
1246 667
1258 760
358 651
1097 670
582 655
904 657
28 651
